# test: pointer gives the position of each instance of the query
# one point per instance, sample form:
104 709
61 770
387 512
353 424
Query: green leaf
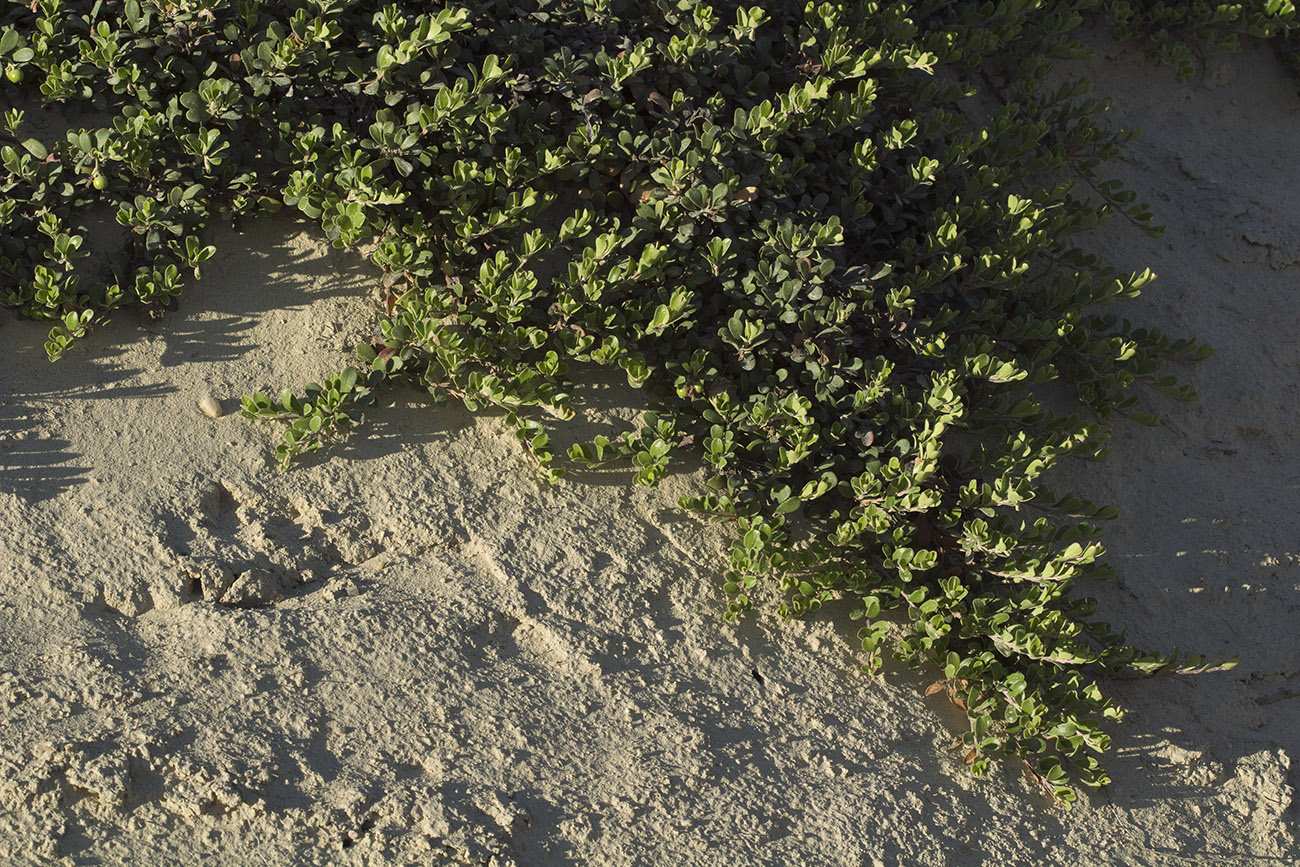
787 506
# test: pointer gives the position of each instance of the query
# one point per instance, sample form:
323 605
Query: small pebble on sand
211 406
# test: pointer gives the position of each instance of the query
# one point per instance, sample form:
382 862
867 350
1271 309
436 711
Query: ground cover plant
831 241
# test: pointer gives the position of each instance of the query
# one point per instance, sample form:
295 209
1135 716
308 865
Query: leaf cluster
1175 33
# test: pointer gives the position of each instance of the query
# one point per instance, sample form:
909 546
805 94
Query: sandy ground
408 652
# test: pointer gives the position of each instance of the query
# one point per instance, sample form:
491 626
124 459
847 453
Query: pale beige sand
468 668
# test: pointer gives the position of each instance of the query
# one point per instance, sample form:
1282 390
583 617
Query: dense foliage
831 241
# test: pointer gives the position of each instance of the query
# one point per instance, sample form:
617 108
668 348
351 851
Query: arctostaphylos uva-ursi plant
831 241
1178 33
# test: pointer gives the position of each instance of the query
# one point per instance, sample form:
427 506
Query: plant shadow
36 462
273 267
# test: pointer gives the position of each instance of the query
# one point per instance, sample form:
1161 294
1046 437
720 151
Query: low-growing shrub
1177 32
832 242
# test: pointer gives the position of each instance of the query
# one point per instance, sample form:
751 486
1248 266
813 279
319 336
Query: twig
1281 696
